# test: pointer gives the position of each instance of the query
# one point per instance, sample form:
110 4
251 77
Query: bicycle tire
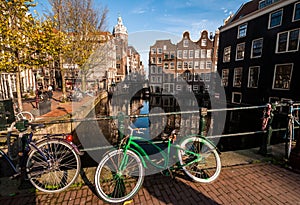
58 170
25 115
289 139
208 167
114 185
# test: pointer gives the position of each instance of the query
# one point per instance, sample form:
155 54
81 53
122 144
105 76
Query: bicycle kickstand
168 172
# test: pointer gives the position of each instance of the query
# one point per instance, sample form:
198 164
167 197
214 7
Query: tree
81 21
26 42
15 38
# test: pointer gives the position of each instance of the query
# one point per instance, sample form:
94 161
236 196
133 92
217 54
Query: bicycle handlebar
136 129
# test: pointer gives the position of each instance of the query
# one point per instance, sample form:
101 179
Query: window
191 54
237 78
265 3
159 50
296 12
179 65
202 77
178 87
185 43
153 60
159 60
226 56
242 31
166 55
203 53
196 65
197 54
225 73
168 88
196 77
166 66
185 65
191 65
165 47
159 69
185 54
256 50
207 77
172 55
172 65
275 19
236 97
288 41
203 42
153 69
153 50
240 51
282 76
208 65
209 53
202 65
179 54
253 77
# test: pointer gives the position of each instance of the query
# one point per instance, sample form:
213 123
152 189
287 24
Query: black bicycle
51 164
290 142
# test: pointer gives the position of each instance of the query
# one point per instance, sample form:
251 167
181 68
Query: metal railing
267 133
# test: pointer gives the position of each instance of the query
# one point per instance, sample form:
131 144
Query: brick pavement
261 183
58 109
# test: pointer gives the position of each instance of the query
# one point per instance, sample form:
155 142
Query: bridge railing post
202 123
267 120
121 127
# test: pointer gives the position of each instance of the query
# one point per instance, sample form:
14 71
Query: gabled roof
251 10
246 9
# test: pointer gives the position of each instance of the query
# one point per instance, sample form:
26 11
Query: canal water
160 115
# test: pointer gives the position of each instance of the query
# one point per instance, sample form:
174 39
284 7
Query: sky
151 20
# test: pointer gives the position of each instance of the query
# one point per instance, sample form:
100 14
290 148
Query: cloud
139 11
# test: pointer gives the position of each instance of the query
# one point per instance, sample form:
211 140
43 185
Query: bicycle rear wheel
119 176
25 115
54 166
205 167
289 139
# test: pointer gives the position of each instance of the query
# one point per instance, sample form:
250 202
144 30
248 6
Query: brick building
185 66
259 52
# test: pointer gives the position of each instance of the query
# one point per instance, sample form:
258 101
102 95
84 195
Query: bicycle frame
10 162
132 145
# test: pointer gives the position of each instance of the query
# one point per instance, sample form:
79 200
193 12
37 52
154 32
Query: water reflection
163 116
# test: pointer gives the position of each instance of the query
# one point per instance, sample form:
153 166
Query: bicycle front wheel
200 159
119 176
25 115
289 139
53 166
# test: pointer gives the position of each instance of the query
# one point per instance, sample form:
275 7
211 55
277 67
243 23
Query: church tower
121 41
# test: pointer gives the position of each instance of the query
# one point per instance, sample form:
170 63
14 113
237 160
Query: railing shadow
171 191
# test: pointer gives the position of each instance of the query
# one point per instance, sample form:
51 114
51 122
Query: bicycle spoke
58 171
119 176
199 159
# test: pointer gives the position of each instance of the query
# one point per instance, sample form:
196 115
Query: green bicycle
120 174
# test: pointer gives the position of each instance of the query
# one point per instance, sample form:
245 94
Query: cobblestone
261 183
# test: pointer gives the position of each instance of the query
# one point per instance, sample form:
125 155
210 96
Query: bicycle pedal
15 176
